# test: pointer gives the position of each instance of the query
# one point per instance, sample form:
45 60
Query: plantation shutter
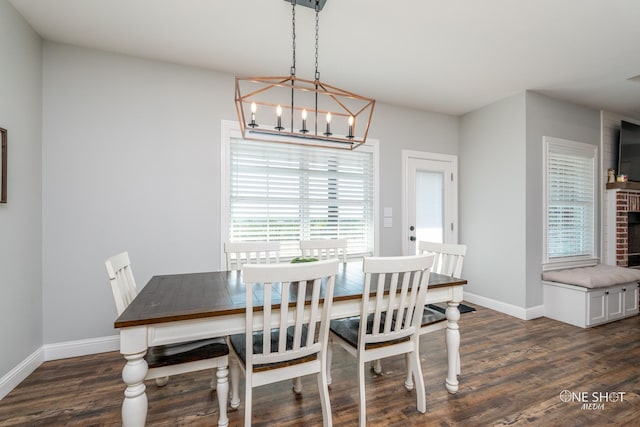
287 193
570 201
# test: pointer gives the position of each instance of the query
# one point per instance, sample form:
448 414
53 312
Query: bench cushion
598 276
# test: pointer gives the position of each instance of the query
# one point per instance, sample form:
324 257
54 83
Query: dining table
175 308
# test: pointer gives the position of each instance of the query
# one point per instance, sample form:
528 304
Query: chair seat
347 329
431 316
239 343
174 354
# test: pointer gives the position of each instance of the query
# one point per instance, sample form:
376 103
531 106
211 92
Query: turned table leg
222 388
134 405
452 336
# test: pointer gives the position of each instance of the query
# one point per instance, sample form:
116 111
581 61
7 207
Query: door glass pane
429 206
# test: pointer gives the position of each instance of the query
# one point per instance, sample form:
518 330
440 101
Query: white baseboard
67 349
20 372
503 307
54 352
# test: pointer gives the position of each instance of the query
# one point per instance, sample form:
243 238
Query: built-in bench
589 296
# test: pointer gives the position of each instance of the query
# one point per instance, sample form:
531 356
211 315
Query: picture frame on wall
3 167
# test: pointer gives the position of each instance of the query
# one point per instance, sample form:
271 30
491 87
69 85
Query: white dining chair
448 260
173 359
449 257
393 297
240 253
287 336
324 249
321 249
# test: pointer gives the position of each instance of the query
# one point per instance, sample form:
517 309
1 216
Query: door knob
412 238
411 228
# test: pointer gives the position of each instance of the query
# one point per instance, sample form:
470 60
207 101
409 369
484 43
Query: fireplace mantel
629 185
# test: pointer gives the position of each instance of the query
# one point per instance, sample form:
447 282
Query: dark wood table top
176 297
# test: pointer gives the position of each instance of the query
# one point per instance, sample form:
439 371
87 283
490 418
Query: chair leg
421 400
222 388
329 359
408 382
323 390
248 404
234 375
297 385
377 367
161 382
214 381
363 396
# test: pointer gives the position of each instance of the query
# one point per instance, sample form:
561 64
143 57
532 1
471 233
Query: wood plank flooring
513 372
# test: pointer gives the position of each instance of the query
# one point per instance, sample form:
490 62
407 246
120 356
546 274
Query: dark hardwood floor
513 373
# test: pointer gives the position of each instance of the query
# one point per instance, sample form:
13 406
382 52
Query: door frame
435 157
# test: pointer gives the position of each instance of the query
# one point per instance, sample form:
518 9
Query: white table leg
452 336
235 381
222 390
134 405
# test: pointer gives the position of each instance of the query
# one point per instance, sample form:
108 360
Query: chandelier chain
293 36
317 30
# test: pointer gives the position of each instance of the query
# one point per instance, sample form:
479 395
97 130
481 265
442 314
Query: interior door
430 200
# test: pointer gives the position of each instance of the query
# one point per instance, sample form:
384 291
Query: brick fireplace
628 228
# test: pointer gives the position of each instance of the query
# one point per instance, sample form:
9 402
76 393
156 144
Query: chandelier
299 111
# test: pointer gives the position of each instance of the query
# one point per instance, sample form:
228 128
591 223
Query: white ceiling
449 56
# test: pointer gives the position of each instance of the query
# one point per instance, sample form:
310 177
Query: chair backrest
123 285
304 294
325 249
240 253
394 288
448 257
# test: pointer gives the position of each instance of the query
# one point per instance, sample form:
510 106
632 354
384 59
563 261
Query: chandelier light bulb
253 123
350 135
328 132
304 121
279 114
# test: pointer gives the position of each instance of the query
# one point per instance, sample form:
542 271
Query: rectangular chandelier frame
336 118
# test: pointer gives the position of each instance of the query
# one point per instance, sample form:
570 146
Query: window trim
591 151
231 129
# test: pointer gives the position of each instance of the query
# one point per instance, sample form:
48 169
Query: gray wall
131 153
549 117
501 190
130 162
406 129
492 199
20 218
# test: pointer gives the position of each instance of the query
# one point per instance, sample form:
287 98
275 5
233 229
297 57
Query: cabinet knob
624 289
606 293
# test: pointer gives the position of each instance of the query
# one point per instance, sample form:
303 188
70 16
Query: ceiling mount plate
309 3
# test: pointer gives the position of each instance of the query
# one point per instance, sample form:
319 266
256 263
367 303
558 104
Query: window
570 203
287 193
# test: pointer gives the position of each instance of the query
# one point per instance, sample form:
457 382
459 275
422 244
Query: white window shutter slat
288 193
571 200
